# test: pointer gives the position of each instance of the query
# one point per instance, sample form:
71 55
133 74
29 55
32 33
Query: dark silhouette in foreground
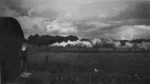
11 38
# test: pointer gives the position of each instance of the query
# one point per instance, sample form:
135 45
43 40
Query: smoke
93 43
88 44
128 45
74 43
145 45
102 43
96 42
117 44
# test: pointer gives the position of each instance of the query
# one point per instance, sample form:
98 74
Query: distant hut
11 37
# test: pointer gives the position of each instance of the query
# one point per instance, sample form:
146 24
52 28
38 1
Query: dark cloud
143 10
137 10
14 5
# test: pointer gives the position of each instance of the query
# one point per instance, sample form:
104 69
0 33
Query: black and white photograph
74 41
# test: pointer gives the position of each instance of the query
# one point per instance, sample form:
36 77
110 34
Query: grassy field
78 68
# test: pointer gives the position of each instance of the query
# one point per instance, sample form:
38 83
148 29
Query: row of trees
47 39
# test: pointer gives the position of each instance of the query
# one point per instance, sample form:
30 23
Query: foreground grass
83 78
78 68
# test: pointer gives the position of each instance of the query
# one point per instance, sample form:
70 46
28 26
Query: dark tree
72 38
47 39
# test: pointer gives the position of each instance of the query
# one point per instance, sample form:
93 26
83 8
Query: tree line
47 39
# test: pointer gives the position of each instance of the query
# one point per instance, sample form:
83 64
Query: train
84 49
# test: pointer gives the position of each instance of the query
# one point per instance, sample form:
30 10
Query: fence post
46 62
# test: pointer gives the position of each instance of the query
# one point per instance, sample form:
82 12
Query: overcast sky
117 19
